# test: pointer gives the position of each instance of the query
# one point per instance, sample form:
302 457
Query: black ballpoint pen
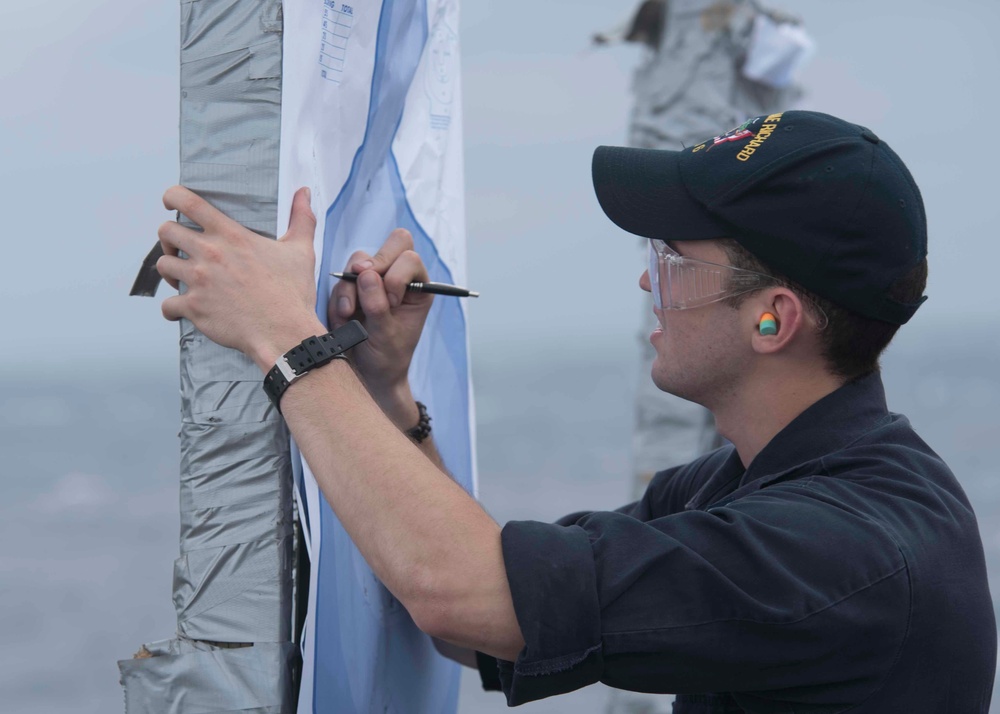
434 288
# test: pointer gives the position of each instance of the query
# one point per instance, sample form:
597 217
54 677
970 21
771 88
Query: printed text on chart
338 19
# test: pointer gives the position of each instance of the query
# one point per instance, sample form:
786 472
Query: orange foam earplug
768 324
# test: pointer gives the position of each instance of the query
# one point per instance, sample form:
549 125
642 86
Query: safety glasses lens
654 274
678 282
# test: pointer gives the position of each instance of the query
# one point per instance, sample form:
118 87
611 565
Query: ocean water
88 518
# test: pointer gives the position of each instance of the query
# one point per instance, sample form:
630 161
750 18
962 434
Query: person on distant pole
827 560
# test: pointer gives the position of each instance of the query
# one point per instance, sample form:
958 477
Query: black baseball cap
823 201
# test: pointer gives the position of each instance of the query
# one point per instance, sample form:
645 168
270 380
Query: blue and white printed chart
371 122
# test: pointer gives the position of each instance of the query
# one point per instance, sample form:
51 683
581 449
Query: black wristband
312 352
423 428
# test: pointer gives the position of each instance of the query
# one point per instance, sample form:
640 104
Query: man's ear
778 316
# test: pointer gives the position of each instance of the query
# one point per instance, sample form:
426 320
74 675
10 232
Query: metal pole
233 580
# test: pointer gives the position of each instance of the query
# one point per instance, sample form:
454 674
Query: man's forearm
428 541
400 406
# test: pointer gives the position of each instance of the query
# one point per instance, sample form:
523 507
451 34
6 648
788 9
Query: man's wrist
271 347
312 352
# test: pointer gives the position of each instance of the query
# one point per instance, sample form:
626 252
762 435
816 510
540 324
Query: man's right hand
393 317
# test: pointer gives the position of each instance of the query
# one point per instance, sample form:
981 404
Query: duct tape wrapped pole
366 100
233 649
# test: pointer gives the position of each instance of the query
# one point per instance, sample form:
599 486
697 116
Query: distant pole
233 649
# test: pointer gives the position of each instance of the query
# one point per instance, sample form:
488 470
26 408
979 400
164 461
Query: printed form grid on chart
337 25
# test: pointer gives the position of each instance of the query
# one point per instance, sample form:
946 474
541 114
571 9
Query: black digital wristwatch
312 352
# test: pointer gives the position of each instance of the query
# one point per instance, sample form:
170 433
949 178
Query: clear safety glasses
680 283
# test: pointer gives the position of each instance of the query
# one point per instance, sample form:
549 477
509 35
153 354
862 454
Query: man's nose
644 281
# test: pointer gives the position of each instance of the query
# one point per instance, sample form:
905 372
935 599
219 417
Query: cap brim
642 192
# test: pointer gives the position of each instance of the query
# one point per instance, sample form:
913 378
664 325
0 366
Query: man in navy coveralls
826 561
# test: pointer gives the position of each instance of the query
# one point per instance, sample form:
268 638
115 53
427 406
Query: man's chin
670 384
665 383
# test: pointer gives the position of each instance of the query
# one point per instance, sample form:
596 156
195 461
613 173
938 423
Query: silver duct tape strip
231 525
186 678
231 109
211 489
233 579
230 590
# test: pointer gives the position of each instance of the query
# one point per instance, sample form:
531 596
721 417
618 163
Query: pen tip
472 294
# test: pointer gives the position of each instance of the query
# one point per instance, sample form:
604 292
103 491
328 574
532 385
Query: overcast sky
89 142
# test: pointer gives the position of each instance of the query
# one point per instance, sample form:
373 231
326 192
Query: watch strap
312 352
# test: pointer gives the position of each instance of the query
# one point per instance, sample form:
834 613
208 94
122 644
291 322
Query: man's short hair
851 342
